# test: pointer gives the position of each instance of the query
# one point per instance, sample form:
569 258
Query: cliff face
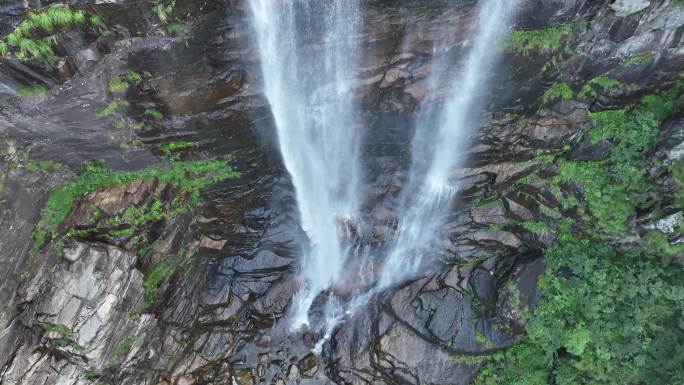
182 273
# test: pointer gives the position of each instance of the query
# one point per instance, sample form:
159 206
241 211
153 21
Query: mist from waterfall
308 59
439 144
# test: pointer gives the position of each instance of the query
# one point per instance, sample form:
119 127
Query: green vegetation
164 11
154 114
37 89
36 36
122 349
603 82
678 177
187 177
156 279
64 336
110 109
614 316
617 320
641 58
557 91
176 145
551 40
43 165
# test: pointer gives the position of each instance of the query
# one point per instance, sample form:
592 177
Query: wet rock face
105 307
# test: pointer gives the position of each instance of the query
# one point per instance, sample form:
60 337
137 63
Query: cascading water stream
308 56
431 188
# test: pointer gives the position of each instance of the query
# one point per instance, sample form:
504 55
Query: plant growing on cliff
35 38
609 313
163 11
551 40
188 177
557 91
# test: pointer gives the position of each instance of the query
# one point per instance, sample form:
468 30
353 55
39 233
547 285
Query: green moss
117 85
188 177
164 11
121 350
176 145
35 36
657 245
602 82
154 114
155 280
37 89
59 329
110 109
44 165
678 177
64 336
557 91
551 40
641 58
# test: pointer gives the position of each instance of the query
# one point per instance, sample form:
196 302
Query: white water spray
308 56
431 190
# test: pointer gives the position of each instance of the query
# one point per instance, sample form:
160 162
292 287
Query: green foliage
117 85
557 91
125 346
43 165
37 89
64 336
122 349
614 316
164 11
176 145
551 40
678 177
109 110
156 279
617 320
657 245
603 82
189 177
154 114
34 39
174 28
641 58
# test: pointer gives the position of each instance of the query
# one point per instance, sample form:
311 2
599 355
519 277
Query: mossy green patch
641 58
36 36
187 177
110 109
557 91
177 145
551 40
601 82
43 165
156 279
37 89
64 336
164 11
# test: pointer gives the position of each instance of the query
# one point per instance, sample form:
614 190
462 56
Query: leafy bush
609 313
35 38
617 320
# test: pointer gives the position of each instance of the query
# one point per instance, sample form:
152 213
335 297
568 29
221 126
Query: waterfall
308 58
436 155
